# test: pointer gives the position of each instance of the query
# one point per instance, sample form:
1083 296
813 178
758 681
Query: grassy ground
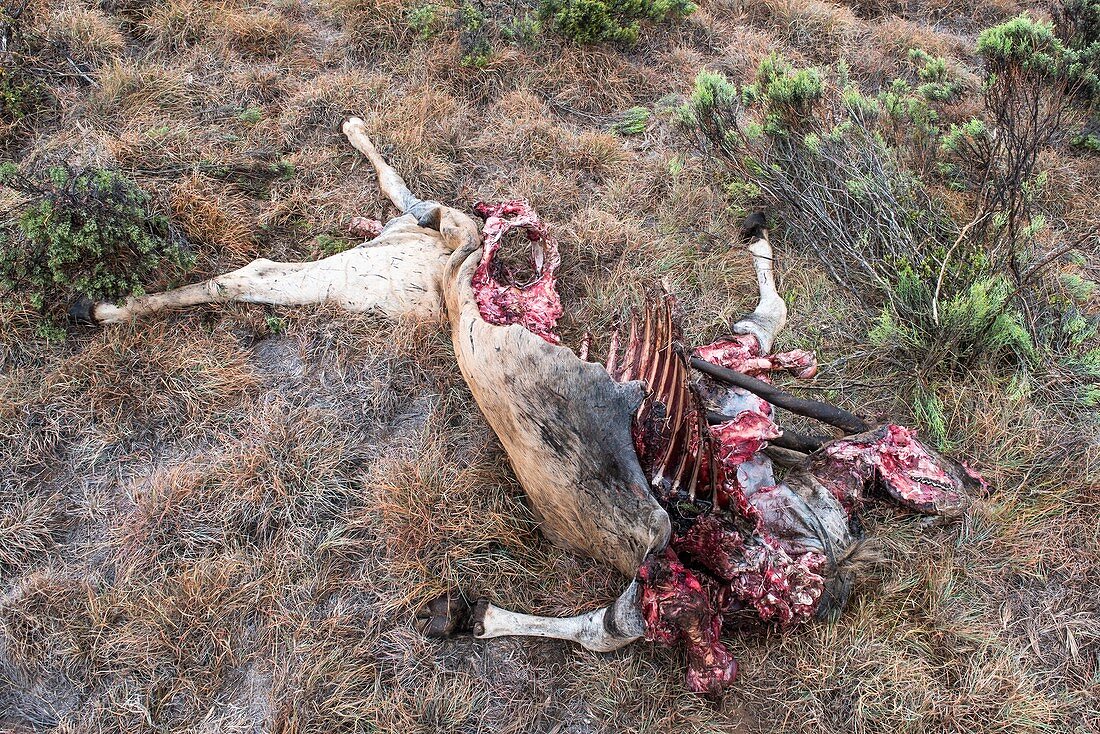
224 520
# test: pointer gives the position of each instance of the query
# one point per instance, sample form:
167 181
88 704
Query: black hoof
754 227
447 615
83 311
478 617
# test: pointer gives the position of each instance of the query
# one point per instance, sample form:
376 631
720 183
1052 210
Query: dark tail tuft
857 560
754 227
83 311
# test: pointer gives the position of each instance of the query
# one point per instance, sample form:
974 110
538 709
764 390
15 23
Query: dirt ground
224 520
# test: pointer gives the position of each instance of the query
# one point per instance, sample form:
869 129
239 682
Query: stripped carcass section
744 547
707 477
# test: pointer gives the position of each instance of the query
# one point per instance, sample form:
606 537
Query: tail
858 559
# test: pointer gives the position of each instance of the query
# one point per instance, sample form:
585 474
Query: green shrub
1087 141
1079 288
22 96
251 115
523 30
937 84
929 412
25 65
474 35
853 179
616 21
425 20
1024 46
633 121
832 162
84 233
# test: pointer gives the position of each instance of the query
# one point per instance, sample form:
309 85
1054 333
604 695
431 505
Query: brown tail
858 559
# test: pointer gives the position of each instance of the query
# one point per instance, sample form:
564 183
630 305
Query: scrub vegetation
226 519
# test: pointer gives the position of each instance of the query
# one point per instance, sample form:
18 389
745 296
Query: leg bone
601 630
391 183
261 281
771 312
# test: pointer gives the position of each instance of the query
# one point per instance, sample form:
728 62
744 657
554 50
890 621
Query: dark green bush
424 20
474 35
616 21
88 233
632 122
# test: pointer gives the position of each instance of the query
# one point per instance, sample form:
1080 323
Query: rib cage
670 431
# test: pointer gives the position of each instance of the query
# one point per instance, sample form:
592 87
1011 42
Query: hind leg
771 312
261 281
601 630
391 183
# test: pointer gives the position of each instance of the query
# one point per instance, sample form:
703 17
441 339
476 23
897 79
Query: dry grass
225 520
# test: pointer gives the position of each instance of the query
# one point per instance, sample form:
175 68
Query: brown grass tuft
91 35
216 221
819 29
262 34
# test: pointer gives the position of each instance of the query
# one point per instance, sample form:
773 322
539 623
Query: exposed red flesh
741 352
723 559
780 588
364 227
678 610
902 466
534 305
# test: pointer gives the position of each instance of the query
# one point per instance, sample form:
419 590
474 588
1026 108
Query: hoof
478 616
353 123
83 312
754 227
428 214
447 615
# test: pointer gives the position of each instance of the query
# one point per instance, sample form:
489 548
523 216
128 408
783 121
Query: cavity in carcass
501 301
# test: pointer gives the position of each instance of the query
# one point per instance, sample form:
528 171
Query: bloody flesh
501 301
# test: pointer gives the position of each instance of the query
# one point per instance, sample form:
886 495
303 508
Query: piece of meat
893 459
364 227
678 610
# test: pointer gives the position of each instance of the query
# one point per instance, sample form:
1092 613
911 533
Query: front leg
771 312
601 630
261 281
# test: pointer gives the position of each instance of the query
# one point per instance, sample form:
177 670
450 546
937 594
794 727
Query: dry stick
943 268
834 416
